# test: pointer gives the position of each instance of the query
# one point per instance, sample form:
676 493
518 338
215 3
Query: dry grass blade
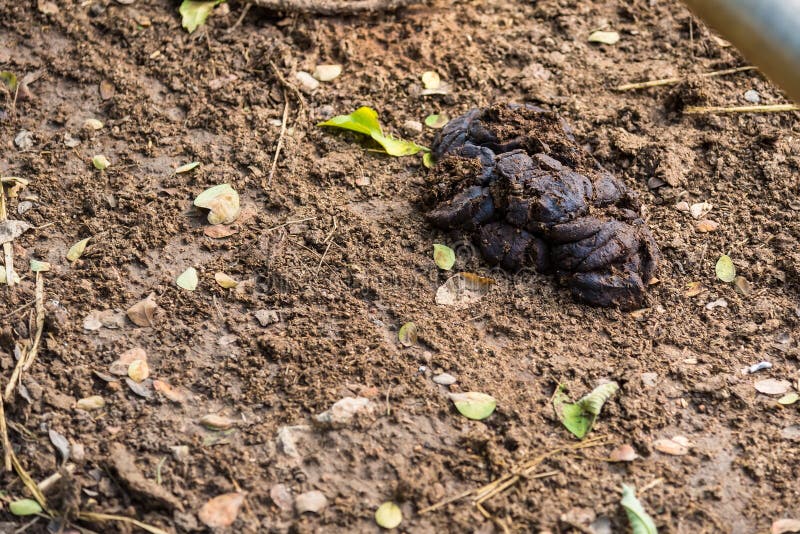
8 248
677 79
333 7
280 141
29 483
524 471
95 517
695 110
29 355
4 441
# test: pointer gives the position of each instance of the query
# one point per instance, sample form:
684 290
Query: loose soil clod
516 180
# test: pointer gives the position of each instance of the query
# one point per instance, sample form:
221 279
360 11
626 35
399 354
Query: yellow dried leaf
76 250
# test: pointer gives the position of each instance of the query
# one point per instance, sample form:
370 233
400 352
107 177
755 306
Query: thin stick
286 85
287 223
8 248
280 141
240 19
678 79
695 110
96 517
4 437
333 7
327 248
14 312
29 355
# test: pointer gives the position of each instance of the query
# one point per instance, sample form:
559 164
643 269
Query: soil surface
334 254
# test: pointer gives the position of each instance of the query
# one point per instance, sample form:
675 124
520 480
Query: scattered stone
791 432
343 410
217 422
95 402
78 452
682 206
11 229
719 303
706 225
221 511
308 83
444 379
623 453
24 140
412 128
24 206
311 501
180 452
69 141
700 209
327 73
287 440
282 497
267 317
649 379
677 446
743 286
92 124
752 96
92 321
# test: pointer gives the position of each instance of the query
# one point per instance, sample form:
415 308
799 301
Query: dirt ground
358 264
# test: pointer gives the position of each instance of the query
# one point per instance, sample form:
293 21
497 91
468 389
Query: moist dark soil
334 254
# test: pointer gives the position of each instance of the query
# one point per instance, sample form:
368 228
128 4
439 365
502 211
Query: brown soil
359 265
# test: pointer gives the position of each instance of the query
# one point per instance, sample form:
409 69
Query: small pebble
311 501
444 379
24 206
719 303
69 141
326 73
308 83
752 96
756 367
24 140
412 127
649 379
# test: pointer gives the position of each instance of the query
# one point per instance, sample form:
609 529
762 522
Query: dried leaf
187 167
789 399
310 501
11 229
100 162
221 511
143 389
38 266
76 250
725 269
216 422
218 231
693 289
463 289
222 201
225 281
623 453
388 515
188 279
444 256
773 386
705 226
92 124
474 405
107 90
9 79
364 120
743 286
641 522
4 276
677 446
94 402
173 393
604 37
60 443
24 507
141 313
785 526
408 334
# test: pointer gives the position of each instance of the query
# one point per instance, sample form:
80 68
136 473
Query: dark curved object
516 180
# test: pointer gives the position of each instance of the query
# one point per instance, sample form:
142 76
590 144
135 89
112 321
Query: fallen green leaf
474 405
76 250
188 279
725 269
100 162
789 399
388 515
641 523
187 167
364 120
39 266
604 37
427 160
579 417
444 256
436 121
25 507
407 334
9 79
194 14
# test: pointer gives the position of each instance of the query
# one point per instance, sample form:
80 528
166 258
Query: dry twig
280 141
678 79
333 7
8 248
696 110
29 355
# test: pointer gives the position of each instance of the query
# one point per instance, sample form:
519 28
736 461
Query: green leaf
474 405
9 79
365 121
725 269
641 523
444 256
388 515
194 14
436 121
76 250
39 266
579 417
407 334
428 161
25 507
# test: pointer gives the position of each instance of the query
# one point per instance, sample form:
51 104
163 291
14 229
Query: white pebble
752 96
307 82
326 73
444 379
719 303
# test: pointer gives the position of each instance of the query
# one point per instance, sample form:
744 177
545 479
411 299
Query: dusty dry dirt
358 265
